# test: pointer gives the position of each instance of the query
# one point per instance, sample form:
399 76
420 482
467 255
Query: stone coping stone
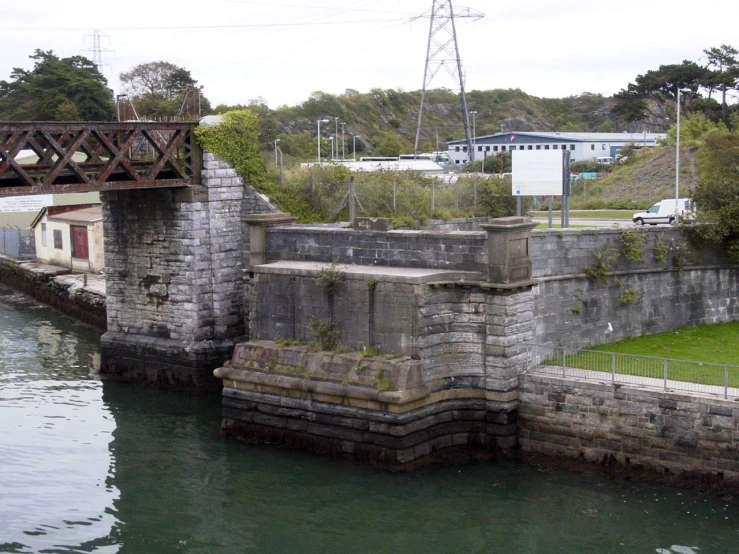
410 275
301 229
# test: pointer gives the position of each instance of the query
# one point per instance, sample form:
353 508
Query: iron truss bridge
51 158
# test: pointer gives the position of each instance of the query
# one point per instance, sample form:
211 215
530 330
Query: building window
456 148
546 147
457 162
538 146
531 147
464 149
572 146
43 235
603 146
554 147
58 239
479 148
592 146
487 149
495 148
502 148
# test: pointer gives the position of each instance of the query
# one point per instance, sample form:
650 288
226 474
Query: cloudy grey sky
283 50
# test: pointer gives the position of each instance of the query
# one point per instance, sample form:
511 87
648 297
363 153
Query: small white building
70 236
582 146
425 167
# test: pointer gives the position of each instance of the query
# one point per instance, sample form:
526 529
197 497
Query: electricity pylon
443 52
97 50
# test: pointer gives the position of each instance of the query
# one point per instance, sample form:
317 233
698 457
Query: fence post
726 381
613 368
665 373
564 363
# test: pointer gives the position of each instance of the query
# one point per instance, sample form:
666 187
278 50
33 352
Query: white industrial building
582 146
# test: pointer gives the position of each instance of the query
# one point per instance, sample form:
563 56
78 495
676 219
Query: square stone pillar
258 224
510 305
509 249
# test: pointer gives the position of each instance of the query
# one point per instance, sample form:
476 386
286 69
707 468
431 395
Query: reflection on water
91 467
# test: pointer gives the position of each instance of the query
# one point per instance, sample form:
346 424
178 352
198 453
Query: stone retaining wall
666 431
82 304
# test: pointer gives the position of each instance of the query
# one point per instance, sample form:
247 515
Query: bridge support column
174 280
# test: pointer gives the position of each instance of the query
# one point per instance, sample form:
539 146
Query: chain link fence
17 243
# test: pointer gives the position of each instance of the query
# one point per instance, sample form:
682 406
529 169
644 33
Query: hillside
385 120
647 177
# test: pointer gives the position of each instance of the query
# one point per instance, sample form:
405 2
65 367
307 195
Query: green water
87 466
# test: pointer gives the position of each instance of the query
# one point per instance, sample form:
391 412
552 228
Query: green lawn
701 346
559 226
590 214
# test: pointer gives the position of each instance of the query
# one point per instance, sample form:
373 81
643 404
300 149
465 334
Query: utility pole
442 51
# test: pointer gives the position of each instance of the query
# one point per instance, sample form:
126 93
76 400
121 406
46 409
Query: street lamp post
333 141
677 158
474 133
354 146
319 137
342 140
336 135
276 141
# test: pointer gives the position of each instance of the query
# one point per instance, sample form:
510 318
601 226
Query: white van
665 212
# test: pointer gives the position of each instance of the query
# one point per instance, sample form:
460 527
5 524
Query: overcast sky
284 50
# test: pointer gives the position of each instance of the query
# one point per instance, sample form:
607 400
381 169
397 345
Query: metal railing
616 368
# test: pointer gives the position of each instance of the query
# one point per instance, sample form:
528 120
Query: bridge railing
43 158
629 369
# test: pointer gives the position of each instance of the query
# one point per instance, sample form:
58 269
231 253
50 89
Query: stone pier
174 280
436 352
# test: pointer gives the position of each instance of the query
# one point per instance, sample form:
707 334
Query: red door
79 243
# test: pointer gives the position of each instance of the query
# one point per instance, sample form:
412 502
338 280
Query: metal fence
17 243
664 373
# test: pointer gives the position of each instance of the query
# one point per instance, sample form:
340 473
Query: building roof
425 166
566 137
83 216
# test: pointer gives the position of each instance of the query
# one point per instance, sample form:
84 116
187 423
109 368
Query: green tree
725 72
56 90
658 88
163 89
717 192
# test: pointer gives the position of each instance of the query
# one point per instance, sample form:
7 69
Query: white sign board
26 203
537 172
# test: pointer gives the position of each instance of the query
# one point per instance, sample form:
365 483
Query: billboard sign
15 204
537 172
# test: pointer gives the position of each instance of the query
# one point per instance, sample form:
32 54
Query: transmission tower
443 52
97 50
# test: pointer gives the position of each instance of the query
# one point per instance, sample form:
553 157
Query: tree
716 194
56 90
658 88
725 74
163 89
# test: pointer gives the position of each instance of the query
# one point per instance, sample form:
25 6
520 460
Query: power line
199 27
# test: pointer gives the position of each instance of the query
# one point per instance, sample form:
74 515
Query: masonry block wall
174 279
666 431
460 251
674 284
